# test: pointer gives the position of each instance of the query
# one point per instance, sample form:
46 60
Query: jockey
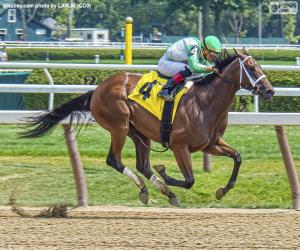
184 57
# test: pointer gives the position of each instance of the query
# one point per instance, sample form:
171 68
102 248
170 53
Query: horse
198 125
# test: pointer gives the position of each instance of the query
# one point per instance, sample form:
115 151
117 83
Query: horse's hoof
159 168
143 195
220 193
174 201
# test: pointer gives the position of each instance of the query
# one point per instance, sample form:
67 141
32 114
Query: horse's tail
45 123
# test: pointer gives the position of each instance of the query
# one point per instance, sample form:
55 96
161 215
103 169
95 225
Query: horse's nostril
270 92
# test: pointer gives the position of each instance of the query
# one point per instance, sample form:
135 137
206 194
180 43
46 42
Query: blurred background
243 21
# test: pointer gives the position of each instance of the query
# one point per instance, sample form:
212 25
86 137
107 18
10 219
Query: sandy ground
113 227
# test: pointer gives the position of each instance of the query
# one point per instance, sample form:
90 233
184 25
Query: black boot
167 90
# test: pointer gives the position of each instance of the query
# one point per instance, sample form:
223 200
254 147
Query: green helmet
212 43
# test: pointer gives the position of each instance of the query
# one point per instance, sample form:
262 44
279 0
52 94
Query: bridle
252 81
249 76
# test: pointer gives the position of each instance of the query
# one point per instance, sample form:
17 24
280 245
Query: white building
91 35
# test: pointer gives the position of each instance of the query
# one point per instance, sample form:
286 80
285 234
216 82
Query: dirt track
153 228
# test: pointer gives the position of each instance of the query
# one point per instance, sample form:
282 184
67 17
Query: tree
218 6
297 29
224 18
236 24
103 14
27 14
70 19
147 15
206 18
289 28
240 17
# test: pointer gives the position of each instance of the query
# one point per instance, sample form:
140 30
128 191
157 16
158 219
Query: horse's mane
223 60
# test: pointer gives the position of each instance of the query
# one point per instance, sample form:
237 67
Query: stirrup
167 97
170 84
163 92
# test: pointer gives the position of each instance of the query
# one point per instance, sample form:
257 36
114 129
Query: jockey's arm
195 65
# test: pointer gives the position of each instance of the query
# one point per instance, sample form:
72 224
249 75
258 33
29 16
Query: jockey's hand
216 70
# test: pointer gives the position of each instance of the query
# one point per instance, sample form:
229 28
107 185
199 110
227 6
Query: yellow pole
128 40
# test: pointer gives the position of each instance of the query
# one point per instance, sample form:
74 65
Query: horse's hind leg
114 160
222 148
142 146
109 108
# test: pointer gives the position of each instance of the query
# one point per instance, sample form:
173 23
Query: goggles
210 52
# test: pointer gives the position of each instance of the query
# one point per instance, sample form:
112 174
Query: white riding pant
170 68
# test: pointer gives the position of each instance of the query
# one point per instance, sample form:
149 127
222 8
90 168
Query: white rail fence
118 45
237 118
46 66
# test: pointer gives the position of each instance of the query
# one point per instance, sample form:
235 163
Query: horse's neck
220 93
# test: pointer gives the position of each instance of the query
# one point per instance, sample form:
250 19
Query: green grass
38 171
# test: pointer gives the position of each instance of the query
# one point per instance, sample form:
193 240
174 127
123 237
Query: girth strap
166 123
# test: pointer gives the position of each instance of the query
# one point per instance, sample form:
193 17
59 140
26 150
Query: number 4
146 89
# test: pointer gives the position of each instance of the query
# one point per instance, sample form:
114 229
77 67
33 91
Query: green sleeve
193 60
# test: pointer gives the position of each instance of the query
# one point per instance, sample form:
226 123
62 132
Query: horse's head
252 77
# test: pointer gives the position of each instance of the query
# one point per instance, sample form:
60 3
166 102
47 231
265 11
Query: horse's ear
235 51
245 51
226 53
238 53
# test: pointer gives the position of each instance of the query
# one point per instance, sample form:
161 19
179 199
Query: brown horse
199 124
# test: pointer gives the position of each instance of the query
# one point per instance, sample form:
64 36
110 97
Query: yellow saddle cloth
145 94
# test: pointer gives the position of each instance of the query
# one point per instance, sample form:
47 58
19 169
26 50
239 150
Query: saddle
145 94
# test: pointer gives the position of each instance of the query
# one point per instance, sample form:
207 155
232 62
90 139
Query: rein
243 69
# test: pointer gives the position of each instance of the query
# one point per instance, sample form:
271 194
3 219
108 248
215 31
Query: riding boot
169 89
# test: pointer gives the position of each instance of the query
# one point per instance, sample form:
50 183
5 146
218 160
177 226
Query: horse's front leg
221 148
183 159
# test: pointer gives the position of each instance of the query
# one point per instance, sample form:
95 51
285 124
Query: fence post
289 165
97 58
207 162
128 40
77 167
51 95
256 104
